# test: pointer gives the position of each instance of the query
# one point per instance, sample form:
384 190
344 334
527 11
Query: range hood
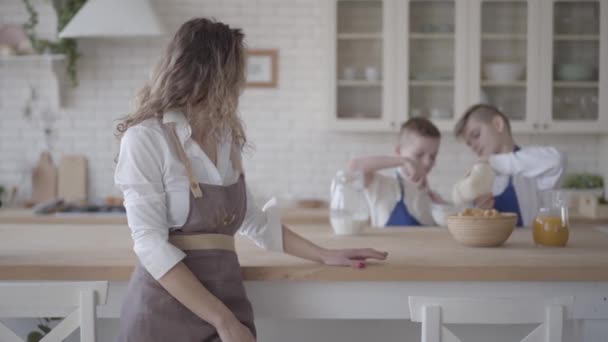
113 18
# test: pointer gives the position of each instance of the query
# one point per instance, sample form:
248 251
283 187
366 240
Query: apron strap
401 189
195 187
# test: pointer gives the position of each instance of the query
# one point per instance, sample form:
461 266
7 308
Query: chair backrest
433 312
75 301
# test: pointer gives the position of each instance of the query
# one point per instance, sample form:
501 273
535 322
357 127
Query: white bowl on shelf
504 71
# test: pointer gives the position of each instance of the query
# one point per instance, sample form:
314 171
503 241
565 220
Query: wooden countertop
26 216
103 252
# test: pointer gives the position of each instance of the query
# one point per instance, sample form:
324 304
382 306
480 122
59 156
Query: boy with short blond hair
403 199
521 172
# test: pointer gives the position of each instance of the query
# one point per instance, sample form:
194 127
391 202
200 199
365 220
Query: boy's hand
413 171
484 201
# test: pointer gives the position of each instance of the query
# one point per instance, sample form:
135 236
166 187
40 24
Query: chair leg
7 335
554 323
87 316
431 324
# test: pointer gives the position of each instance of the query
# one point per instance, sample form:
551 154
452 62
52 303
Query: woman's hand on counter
298 246
355 258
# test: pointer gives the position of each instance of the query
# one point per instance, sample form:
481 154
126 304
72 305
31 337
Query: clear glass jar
349 212
550 226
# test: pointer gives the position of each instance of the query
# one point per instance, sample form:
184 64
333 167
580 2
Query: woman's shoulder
148 128
148 132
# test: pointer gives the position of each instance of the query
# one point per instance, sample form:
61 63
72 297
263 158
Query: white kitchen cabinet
361 72
503 58
431 60
574 68
441 56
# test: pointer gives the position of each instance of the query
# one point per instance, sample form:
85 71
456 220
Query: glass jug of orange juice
550 226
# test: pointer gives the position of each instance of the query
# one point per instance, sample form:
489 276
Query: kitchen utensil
72 180
440 212
503 71
349 213
481 231
44 179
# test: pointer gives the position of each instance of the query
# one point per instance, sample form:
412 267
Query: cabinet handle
392 123
535 125
545 126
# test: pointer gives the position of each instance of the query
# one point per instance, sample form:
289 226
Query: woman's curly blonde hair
201 74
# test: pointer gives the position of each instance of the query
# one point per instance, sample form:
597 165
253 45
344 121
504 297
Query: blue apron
507 200
400 216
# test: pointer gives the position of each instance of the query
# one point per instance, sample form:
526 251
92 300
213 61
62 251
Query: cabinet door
574 66
503 56
431 39
360 75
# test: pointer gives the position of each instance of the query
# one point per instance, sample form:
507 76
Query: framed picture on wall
262 68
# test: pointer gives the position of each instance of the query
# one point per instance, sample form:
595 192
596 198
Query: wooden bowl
482 231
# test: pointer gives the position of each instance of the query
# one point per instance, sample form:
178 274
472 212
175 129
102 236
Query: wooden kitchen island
422 261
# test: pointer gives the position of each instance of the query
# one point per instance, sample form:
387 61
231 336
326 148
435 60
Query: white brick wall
295 154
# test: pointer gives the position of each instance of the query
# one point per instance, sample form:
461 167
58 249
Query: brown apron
149 313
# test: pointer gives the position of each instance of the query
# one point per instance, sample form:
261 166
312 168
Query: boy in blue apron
521 172
402 196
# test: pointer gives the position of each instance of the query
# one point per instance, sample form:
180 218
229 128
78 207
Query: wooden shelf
503 84
575 84
503 36
359 83
577 37
357 36
32 58
431 83
431 36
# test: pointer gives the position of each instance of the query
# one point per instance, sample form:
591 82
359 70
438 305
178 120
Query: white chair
76 301
433 312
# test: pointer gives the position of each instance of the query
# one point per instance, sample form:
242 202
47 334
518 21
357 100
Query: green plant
43 326
65 9
583 181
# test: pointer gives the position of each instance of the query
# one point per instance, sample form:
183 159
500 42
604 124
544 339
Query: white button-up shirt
155 187
534 169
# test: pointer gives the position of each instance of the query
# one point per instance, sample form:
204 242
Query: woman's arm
182 284
298 246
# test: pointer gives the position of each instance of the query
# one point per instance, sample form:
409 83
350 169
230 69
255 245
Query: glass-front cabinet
575 61
503 58
360 78
544 63
433 64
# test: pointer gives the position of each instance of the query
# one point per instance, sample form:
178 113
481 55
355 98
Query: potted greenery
66 9
583 184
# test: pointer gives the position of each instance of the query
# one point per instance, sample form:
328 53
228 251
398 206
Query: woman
180 171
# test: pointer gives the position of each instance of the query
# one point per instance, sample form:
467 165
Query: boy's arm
370 164
545 164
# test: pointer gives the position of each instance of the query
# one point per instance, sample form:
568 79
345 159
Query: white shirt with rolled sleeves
534 169
156 191
383 193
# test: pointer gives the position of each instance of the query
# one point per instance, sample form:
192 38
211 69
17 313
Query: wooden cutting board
72 178
44 179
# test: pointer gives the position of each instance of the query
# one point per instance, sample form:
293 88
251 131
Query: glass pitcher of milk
349 212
